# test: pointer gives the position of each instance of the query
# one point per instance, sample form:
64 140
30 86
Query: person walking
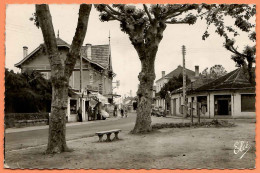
122 112
126 112
79 114
115 111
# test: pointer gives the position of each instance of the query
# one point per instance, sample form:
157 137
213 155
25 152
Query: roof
236 79
61 42
177 72
100 54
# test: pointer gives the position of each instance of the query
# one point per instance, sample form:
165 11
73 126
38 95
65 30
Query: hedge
10 118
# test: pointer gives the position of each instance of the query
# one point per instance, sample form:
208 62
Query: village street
18 138
163 148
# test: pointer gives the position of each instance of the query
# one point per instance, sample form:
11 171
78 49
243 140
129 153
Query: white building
165 78
228 96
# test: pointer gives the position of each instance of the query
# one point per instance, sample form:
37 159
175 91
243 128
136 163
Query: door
223 107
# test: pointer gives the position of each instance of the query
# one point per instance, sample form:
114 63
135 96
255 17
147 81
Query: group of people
123 111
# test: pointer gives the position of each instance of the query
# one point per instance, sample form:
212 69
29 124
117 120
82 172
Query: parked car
155 111
161 112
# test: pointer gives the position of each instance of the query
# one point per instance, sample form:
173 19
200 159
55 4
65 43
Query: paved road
24 139
17 140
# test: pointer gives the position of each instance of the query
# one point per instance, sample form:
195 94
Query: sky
20 31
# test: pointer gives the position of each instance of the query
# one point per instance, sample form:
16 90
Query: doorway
222 104
223 107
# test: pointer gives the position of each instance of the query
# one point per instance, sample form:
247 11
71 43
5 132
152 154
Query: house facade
231 95
165 78
94 67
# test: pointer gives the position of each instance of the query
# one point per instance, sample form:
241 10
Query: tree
215 72
145 29
173 84
243 16
26 92
60 71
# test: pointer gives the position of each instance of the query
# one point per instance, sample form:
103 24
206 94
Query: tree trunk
60 73
145 90
57 124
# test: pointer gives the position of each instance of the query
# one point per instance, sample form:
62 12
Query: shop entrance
222 105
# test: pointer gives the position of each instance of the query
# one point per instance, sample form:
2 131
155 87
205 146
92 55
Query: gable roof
236 79
100 54
177 72
61 42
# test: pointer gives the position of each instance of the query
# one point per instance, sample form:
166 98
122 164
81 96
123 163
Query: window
203 101
247 102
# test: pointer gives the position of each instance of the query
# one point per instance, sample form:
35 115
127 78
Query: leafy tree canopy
243 21
26 92
215 71
173 84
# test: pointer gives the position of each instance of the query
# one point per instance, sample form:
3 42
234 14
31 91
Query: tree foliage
173 84
26 92
243 17
138 23
215 72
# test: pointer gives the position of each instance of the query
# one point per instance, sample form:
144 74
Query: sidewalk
23 129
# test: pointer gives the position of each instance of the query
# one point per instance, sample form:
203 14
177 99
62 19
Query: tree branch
45 22
180 10
173 15
230 46
78 38
176 22
110 13
114 11
148 14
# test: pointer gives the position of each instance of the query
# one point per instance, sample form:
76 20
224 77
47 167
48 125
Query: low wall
12 118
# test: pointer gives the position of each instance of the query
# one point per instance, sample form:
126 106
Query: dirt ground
172 148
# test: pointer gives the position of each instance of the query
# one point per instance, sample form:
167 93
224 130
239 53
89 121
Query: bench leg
108 137
100 138
116 136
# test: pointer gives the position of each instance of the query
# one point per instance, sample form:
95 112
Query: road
24 139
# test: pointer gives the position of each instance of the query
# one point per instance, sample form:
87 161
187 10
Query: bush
213 123
11 118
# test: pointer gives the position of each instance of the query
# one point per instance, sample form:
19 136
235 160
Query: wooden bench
108 133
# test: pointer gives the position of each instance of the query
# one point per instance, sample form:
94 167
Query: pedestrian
79 114
122 112
115 111
126 112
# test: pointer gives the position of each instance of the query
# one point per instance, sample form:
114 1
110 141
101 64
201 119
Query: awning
112 95
99 97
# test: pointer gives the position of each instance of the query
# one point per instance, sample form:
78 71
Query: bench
108 133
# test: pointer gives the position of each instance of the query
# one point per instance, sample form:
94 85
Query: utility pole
80 83
184 83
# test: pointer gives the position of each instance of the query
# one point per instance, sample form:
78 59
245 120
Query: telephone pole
184 83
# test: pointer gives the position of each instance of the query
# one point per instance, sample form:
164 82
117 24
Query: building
97 74
165 78
231 95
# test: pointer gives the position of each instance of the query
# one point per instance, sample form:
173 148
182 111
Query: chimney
196 71
25 51
88 50
163 74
